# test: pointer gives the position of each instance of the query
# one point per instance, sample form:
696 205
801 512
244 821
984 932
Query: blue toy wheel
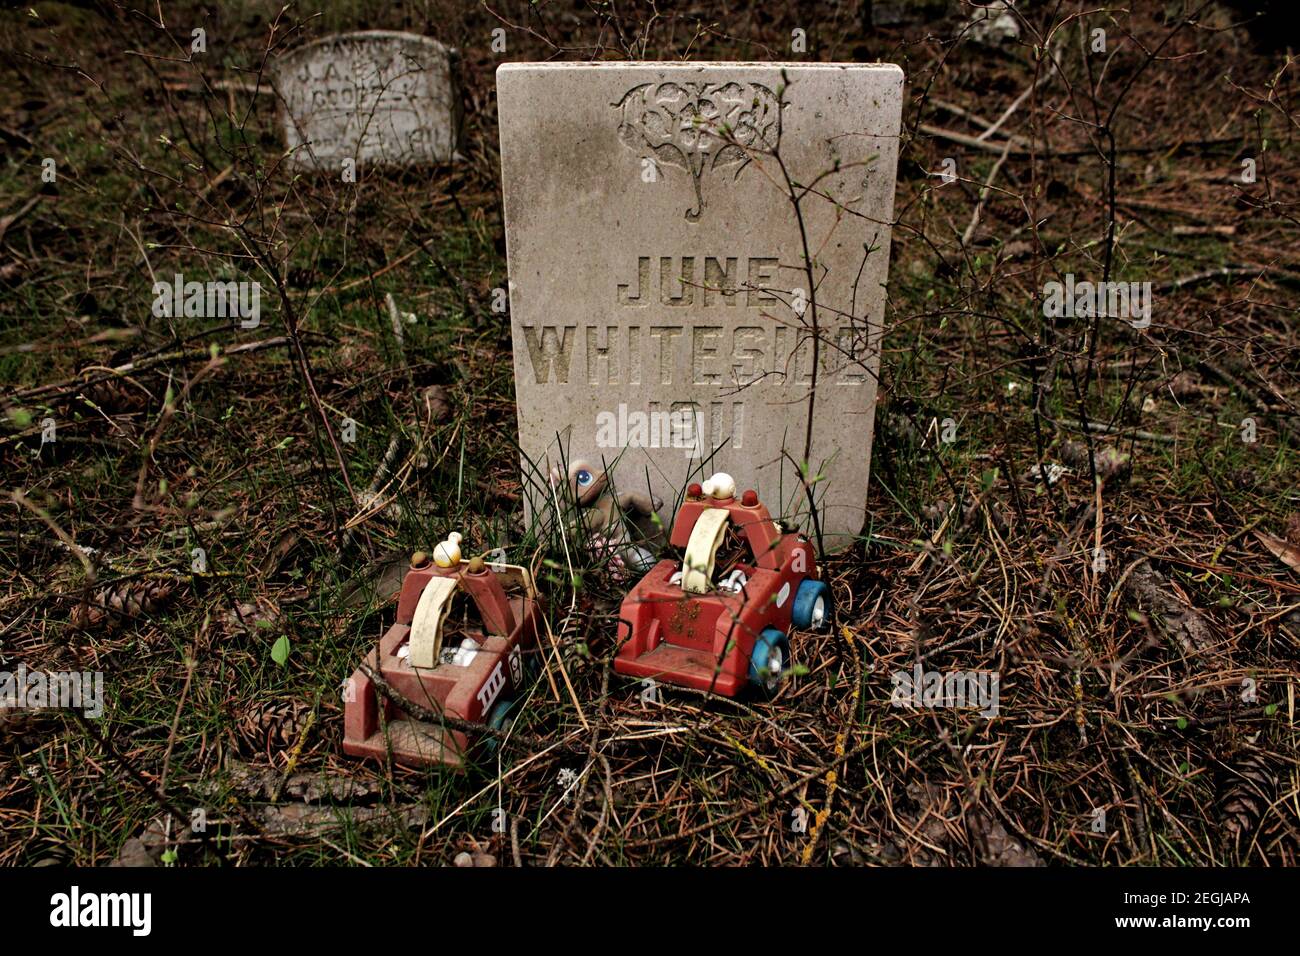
812 605
499 718
769 660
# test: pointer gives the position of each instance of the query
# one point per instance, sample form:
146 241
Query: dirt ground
1105 516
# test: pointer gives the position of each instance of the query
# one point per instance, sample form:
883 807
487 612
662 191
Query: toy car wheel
500 718
812 605
769 660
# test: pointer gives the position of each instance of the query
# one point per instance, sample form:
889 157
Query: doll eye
584 477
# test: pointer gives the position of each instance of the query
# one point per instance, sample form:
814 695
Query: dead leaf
1288 554
1185 385
1110 462
259 617
379 584
1002 848
277 556
1293 529
437 404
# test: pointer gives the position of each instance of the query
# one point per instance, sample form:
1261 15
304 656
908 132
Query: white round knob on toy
447 553
721 485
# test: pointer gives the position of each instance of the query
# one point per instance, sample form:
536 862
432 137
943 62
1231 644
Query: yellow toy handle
702 550
426 623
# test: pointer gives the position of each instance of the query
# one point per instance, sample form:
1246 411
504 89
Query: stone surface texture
661 309
377 98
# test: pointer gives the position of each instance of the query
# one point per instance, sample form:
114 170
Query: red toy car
457 648
720 618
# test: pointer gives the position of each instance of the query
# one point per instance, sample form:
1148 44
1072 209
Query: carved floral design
699 127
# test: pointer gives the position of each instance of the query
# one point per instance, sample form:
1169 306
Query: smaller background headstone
376 97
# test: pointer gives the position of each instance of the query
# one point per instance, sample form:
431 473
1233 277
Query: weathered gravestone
662 313
374 97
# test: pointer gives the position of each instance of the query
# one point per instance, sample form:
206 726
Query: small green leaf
280 650
1182 723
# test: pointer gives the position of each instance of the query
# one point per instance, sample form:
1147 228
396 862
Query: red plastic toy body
478 681
721 634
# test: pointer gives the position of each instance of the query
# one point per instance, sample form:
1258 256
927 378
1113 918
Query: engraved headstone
375 97
663 317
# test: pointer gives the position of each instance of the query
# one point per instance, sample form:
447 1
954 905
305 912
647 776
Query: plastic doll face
588 482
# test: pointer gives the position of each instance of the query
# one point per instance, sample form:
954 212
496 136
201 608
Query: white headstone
662 313
375 97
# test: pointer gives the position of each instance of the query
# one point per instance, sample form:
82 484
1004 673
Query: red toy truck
720 618
457 648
